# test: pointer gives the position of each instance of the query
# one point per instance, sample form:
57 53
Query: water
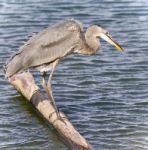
104 95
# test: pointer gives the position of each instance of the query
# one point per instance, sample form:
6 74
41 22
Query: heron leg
45 86
48 88
49 92
49 80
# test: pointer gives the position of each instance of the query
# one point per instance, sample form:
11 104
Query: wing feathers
48 45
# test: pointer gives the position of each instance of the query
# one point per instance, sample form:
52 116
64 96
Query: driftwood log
25 84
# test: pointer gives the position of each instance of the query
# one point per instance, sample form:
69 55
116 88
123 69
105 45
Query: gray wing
48 45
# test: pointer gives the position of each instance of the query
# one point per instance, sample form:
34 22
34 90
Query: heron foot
59 117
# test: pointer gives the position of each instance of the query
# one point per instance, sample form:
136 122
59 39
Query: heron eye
107 33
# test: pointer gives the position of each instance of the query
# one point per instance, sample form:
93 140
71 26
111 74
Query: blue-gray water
104 95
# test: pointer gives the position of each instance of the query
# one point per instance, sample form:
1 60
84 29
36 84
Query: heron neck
92 40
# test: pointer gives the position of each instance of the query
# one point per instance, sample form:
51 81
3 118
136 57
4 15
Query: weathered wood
25 84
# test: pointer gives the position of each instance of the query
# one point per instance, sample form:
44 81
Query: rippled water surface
104 95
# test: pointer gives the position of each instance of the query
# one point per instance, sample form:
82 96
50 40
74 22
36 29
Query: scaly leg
48 88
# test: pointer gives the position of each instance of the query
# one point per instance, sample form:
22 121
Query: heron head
102 33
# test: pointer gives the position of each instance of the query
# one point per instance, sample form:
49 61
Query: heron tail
13 66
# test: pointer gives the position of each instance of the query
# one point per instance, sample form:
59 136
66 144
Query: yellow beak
108 38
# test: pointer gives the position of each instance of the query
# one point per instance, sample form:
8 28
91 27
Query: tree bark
25 84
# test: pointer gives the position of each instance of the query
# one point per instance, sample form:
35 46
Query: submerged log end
25 84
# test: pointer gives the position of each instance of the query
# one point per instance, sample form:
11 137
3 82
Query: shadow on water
30 128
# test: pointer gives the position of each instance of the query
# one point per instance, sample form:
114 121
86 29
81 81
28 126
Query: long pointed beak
108 38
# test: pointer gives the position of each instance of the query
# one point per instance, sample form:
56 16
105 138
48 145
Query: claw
58 117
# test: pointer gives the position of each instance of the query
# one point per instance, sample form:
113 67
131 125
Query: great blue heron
44 50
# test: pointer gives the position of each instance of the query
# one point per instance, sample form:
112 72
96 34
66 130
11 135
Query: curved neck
91 39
